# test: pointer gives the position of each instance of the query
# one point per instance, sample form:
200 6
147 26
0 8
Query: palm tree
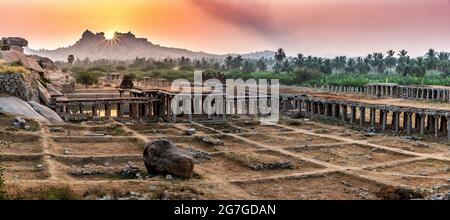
280 55
236 63
444 62
403 64
418 67
431 59
390 53
378 62
326 66
228 62
351 65
299 60
261 64
70 59
390 60
362 65
340 62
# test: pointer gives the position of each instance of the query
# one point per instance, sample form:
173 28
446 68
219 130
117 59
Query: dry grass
63 192
4 69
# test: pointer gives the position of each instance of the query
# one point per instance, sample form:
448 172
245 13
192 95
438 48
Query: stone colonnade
399 120
346 89
409 92
122 107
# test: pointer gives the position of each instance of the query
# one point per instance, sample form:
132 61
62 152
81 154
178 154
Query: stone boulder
12 56
211 141
163 157
45 63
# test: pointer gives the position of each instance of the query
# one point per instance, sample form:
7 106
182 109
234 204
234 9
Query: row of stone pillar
396 119
382 90
347 89
135 109
409 92
425 93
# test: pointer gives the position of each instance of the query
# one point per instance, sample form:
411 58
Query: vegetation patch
5 69
48 193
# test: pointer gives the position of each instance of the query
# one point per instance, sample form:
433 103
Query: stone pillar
326 109
162 106
362 115
447 116
436 125
135 110
333 110
343 113
338 111
147 110
119 110
383 119
353 117
372 117
107 110
94 110
284 104
422 124
408 122
396 121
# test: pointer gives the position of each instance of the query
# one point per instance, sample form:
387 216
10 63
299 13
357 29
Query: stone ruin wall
20 85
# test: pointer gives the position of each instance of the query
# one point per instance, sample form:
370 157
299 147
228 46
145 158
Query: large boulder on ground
163 157
45 111
16 106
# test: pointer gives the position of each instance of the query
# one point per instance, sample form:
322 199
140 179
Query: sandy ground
296 159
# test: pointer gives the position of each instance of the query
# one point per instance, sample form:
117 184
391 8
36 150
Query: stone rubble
191 131
131 171
199 154
211 141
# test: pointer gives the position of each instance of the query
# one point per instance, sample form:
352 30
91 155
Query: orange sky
318 27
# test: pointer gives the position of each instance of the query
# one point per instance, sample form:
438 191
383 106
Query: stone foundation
399 120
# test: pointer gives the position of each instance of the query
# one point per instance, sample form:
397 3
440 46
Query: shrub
305 75
87 78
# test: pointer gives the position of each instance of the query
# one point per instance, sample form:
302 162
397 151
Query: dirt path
47 153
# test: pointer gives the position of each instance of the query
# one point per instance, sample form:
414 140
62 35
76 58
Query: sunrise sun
110 35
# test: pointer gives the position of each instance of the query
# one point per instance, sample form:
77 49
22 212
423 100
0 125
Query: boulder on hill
12 56
45 63
163 157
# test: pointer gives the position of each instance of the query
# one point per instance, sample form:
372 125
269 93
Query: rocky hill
126 46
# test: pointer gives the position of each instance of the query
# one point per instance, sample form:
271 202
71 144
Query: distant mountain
126 46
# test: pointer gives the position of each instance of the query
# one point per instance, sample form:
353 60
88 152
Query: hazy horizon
319 27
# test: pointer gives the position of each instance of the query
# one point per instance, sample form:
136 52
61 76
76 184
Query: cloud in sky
252 14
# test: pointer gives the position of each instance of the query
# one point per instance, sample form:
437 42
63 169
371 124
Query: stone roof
382 84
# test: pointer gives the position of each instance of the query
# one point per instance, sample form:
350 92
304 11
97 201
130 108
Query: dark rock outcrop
163 157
